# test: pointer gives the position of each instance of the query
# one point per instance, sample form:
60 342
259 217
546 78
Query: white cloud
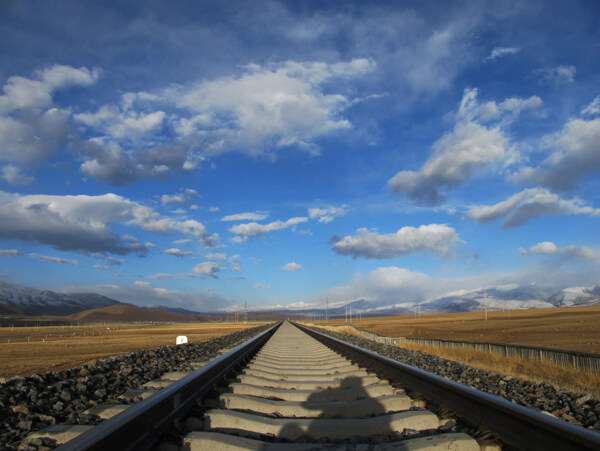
207 269
549 248
253 229
292 266
162 275
327 214
182 241
63 261
468 148
181 198
14 175
234 262
528 204
31 126
102 267
502 51
249 216
123 125
270 107
83 223
258 286
216 256
10 253
177 252
593 108
214 209
437 238
575 153
260 111
559 75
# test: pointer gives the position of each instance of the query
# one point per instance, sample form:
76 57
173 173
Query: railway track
297 389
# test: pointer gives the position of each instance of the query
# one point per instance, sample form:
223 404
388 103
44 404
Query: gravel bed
580 409
32 403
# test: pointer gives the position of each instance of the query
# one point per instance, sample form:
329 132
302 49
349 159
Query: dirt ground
573 328
29 350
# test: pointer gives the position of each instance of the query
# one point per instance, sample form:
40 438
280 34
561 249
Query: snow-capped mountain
512 297
15 299
577 296
43 302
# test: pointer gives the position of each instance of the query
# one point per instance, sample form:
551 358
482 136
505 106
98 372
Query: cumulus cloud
549 248
498 52
437 238
207 269
468 148
110 161
575 154
292 266
327 214
559 75
83 223
261 110
249 216
176 252
267 107
15 176
528 204
254 229
63 261
10 253
180 198
31 125
123 125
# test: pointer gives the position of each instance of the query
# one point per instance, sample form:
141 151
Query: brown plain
573 328
56 348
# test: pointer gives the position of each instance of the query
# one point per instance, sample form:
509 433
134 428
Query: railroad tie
297 394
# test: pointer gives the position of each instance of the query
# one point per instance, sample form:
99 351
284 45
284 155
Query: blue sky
202 155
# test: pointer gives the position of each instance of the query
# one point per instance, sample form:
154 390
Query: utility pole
485 302
346 314
326 309
245 312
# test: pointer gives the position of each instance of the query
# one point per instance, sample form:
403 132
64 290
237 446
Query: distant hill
43 302
128 312
6 309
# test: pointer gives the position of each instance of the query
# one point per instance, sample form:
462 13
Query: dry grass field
575 329
29 350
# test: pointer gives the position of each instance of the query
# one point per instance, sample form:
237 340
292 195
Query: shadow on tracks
332 404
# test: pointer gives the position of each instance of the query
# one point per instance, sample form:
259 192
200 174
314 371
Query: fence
579 360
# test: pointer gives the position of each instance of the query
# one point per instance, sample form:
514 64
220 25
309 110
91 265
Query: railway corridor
298 394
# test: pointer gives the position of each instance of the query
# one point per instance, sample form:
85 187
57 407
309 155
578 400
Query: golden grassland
572 328
575 329
29 350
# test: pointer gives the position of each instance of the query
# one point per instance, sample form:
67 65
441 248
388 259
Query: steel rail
520 427
140 426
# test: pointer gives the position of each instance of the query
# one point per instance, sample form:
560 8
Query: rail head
140 426
520 427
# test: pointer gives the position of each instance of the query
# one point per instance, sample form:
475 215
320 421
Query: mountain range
19 300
